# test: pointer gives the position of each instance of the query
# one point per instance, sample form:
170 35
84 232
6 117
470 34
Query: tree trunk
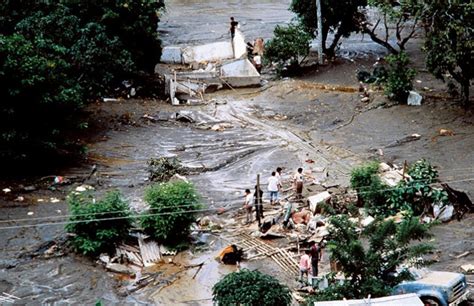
331 51
379 41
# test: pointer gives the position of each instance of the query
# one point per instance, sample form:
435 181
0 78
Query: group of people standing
274 188
256 200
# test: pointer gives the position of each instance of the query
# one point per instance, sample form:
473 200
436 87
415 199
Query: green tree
370 190
339 17
57 55
251 288
370 259
395 21
92 232
39 98
173 207
289 44
449 43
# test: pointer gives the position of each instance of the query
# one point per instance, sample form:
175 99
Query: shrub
173 208
370 189
247 287
289 44
399 77
92 234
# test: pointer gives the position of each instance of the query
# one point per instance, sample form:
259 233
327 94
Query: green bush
247 287
399 77
417 194
92 234
370 189
173 208
289 44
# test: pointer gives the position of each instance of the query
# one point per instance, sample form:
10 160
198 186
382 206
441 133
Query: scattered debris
119 268
412 137
443 213
149 251
29 188
84 188
231 255
314 200
163 168
462 255
414 98
461 202
446 132
468 268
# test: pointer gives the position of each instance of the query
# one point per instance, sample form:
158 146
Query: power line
187 205
109 219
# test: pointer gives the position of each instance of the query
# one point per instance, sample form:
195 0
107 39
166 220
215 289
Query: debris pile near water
163 168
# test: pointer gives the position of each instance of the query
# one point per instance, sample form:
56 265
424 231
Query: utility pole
258 206
320 32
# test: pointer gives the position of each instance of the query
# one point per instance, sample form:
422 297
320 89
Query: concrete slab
171 55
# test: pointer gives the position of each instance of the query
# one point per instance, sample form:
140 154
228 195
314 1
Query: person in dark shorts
316 254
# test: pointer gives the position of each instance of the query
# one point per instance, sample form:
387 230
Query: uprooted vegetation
163 168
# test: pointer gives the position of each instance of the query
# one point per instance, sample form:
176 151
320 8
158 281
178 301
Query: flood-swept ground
317 117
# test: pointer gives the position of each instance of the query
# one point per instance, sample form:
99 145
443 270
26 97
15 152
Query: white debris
367 221
414 98
83 188
316 199
6 190
443 213
30 213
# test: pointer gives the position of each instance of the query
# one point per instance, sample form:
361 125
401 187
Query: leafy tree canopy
370 259
449 43
339 17
55 56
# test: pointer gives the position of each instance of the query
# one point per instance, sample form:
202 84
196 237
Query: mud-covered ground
318 116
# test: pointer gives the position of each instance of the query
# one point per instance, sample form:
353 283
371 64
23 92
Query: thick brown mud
317 117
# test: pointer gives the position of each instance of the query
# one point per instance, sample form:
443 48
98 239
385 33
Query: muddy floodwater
317 122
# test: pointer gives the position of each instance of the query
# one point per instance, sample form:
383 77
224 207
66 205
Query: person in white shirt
273 188
248 205
298 183
280 185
